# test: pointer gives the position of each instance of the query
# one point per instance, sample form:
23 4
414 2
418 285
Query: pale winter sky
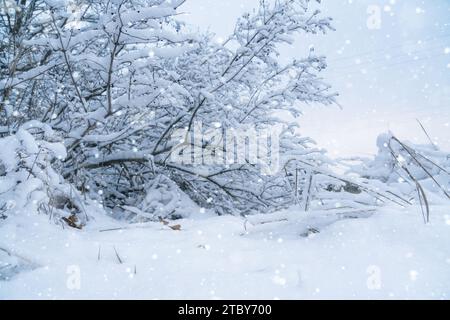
388 71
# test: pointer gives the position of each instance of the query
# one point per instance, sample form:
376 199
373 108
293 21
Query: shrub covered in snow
29 179
117 80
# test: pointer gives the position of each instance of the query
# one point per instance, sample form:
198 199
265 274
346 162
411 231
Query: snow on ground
391 254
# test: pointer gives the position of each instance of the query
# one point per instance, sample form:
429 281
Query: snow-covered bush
118 79
29 182
163 199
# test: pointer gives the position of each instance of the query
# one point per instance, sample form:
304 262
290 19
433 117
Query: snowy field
390 255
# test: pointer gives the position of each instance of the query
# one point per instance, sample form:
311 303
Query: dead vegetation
408 160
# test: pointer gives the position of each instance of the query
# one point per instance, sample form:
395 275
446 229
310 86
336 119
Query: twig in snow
308 191
412 153
34 163
426 133
117 255
424 206
423 203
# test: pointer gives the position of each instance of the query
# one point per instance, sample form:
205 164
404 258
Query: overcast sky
388 71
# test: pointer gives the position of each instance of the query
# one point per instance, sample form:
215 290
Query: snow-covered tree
118 81
87 69
235 84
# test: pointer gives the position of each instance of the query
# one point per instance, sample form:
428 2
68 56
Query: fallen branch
117 256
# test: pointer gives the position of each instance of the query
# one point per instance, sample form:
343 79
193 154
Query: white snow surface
390 254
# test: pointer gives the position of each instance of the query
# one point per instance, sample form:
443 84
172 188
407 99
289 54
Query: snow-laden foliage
28 181
419 173
118 80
